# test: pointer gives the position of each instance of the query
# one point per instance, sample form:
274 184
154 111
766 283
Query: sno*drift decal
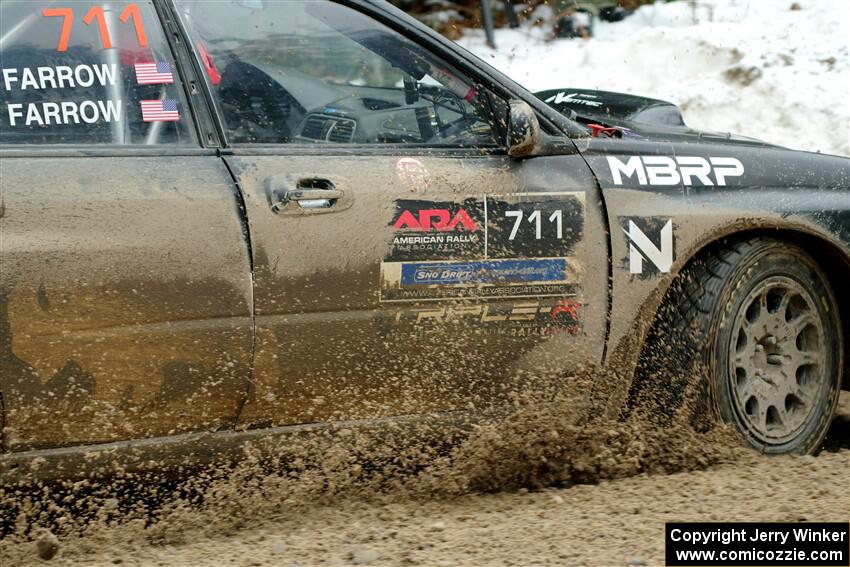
485 271
482 279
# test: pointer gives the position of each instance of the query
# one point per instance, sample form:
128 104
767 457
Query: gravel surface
613 523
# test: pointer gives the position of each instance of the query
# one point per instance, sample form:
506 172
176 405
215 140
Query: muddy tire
758 320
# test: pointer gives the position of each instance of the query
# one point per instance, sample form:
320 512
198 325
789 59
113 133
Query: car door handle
309 193
312 194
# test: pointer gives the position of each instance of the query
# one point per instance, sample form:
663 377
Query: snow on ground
756 67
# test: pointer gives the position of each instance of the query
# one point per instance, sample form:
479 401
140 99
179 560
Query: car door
403 262
125 288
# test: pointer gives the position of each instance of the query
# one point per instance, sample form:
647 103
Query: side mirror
524 134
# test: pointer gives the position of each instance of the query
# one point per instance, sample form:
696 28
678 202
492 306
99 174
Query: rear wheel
760 319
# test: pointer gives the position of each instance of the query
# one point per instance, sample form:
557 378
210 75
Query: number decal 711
96 13
557 217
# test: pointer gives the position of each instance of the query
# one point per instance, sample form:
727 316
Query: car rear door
125 288
395 272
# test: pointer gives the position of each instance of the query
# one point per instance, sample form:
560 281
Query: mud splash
548 439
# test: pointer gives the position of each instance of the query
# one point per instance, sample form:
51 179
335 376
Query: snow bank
756 68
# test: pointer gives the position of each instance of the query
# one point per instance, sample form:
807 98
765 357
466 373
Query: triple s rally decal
138 67
505 264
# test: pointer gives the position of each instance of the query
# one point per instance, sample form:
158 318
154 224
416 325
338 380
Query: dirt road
613 523
615 520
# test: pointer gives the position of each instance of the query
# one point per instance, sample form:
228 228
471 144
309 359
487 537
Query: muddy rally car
228 220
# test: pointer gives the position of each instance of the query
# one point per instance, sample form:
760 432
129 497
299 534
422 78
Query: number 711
535 217
96 13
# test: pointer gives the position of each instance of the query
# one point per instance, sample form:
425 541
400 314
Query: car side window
318 72
82 72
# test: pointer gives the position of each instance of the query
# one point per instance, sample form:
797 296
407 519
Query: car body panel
344 329
125 298
779 190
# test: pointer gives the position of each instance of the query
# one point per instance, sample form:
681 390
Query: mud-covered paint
125 299
328 348
797 192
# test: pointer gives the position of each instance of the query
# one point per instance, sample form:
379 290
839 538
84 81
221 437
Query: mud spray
550 437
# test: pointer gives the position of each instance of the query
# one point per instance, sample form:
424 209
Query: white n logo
641 246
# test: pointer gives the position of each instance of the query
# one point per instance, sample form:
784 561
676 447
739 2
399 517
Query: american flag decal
158 73
160 110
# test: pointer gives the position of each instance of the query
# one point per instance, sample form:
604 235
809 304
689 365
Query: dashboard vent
314 128
342 132
329 129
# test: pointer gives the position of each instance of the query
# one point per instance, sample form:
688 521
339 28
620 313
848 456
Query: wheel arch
830 257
